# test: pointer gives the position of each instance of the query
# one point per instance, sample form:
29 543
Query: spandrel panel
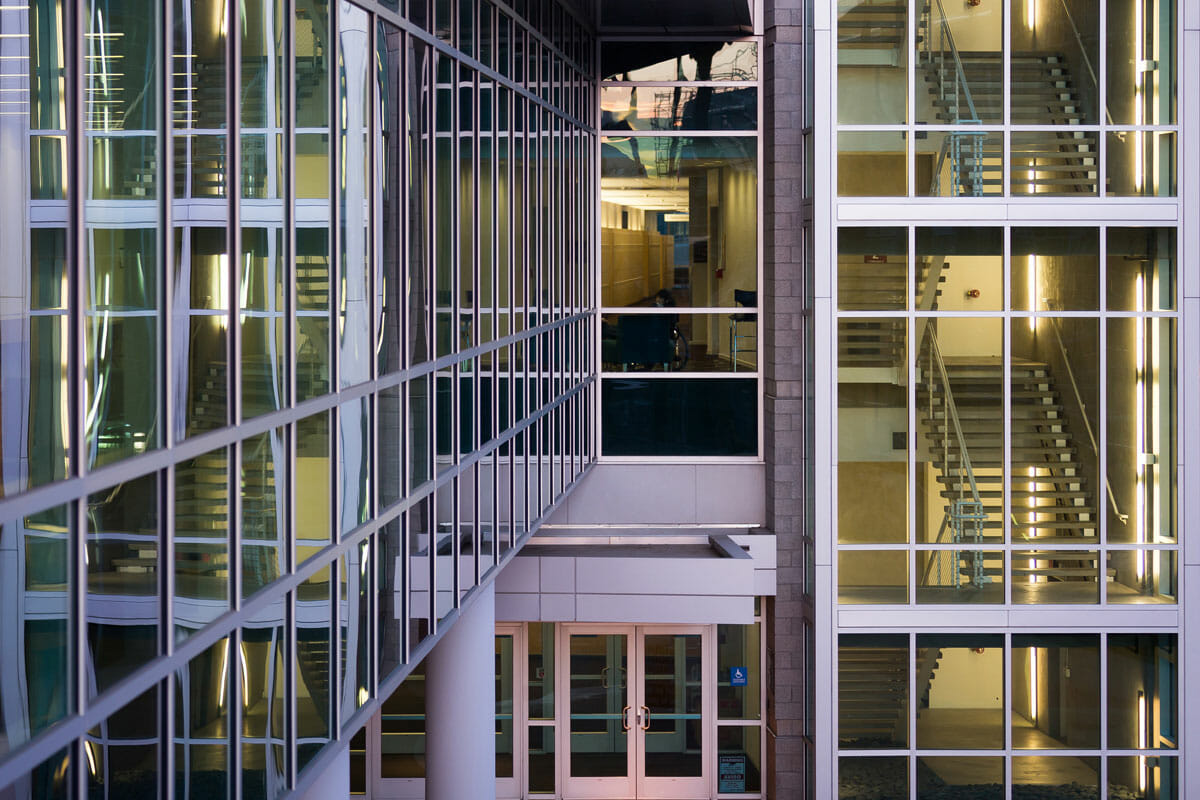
872 57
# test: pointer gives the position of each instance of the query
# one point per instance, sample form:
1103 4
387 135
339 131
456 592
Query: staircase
866 284
872 693
967 87
1053 501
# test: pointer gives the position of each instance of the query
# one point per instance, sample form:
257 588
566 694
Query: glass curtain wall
1008 397
223 229
679 249
1070 99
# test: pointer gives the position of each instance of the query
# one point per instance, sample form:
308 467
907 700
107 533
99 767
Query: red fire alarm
972 293
973 3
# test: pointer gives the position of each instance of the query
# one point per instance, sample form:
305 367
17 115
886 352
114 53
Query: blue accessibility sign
737 676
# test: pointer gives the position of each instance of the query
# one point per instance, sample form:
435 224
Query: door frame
636 784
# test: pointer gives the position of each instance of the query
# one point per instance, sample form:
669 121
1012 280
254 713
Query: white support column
460 707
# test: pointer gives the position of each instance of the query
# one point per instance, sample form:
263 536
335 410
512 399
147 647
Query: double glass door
638 706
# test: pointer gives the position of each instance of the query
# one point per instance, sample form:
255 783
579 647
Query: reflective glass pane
264 509
960 691
390 580
673 342
36 420
388 273
314 665
599 700
1143 691
872 577
961 65
1143 576
1141 164
41 667
355 346
402 737
645 416
872 268
1141 269
201 354
679 61
1141 429
1054 163
264 768
420 522
872 59
541 759
313 485
690 108
738 652
960 269
122 752
203 692
872 164
1055 269
263 320
504 706
1142 778
873 484
201 541
960 778
739 759
883 777
417 122
678 221
1141 42
967 575
1055 685
541 670
1035 777
354 463
1055 62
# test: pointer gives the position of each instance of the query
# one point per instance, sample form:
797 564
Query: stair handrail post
1062 349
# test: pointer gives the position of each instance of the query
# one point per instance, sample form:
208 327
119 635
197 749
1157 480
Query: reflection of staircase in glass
872 32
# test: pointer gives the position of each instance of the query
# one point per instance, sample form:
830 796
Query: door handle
646 720
625 717
622 677
604 677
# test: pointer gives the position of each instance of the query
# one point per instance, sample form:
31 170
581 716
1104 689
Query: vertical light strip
1138 84
1031 14
1139 421
1033 685
1032 282
1141 739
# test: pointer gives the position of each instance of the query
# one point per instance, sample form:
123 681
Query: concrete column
460 707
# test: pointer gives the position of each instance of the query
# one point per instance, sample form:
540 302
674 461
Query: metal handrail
1087 62
960 74
1112 498
951 414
